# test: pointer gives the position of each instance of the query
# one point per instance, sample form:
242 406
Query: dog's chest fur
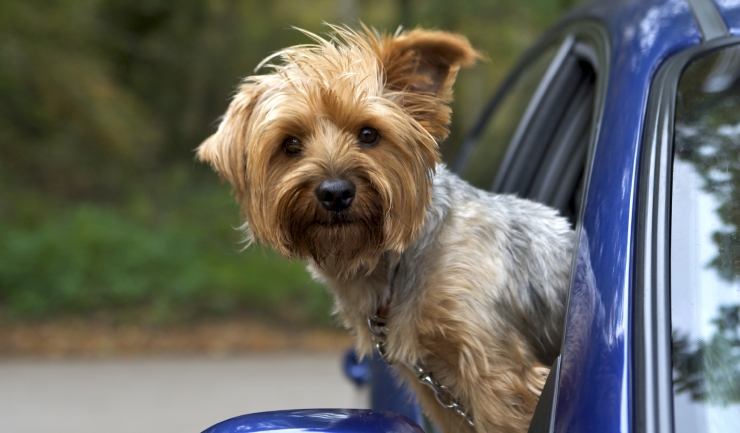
480 291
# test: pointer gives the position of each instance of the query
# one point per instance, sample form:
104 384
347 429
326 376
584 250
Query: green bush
88 259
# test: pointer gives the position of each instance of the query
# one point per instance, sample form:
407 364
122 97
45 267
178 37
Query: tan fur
322 94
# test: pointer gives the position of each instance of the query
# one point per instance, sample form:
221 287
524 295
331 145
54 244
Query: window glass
705 246
485 159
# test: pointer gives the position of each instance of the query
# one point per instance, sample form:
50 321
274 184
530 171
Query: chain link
379 331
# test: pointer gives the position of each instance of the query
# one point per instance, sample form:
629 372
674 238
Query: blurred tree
95 93
710 371
708 137
66 124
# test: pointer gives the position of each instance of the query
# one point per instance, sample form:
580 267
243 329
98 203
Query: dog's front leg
492 373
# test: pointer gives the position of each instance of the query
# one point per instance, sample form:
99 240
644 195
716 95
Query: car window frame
595 35
507 174
653 369
587 39
476 131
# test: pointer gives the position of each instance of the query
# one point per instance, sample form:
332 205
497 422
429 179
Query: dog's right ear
225 150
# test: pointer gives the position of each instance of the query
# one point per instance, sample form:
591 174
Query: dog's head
331 155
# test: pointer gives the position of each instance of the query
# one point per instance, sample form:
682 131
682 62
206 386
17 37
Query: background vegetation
104 214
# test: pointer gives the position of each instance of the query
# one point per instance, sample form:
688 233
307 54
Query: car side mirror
323 420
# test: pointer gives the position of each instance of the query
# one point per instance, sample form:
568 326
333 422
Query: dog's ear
425 63
225 150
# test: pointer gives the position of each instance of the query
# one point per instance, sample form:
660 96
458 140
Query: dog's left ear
225 150
424 64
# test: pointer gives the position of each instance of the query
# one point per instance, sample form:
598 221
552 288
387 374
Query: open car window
484 148
532 141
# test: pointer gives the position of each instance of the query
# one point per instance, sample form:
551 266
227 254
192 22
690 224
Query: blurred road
164 395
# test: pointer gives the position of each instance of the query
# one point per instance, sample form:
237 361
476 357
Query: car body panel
595 380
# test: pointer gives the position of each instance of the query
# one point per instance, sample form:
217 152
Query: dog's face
331 155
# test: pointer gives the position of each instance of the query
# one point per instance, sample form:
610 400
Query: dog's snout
335 194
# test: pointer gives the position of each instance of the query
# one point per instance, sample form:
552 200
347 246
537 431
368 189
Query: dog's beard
343 242
346 238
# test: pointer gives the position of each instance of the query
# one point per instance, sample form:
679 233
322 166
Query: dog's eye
368 137
292 146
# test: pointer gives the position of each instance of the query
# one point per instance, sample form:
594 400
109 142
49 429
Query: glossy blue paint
388 395
730 10
595 392
318 420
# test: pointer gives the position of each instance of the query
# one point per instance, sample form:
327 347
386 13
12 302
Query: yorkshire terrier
334 160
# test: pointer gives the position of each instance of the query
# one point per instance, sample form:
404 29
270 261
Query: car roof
730 11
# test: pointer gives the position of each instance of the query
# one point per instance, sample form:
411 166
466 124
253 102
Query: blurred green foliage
151 263
102 209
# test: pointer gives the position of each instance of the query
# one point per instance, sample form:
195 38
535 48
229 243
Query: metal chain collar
379 331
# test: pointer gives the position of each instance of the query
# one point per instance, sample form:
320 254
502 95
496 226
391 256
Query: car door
535 137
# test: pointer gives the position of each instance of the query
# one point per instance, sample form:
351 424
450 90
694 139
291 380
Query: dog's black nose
335 194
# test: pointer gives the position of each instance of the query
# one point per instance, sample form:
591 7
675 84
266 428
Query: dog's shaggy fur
478 280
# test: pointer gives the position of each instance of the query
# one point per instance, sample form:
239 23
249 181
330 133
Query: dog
334 159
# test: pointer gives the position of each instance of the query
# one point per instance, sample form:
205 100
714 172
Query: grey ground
164 395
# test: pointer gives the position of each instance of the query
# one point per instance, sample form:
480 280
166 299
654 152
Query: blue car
626 117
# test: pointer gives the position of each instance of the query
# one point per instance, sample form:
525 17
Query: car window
705 246
533 143
557 175
481 159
